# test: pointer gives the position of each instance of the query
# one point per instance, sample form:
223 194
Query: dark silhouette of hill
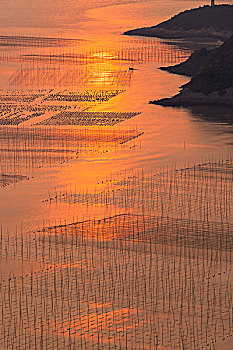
193 64
213 84
207 21
218 73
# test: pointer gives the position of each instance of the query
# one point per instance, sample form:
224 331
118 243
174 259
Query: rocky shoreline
187 98
210 34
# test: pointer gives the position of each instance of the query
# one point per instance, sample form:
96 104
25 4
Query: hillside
213 84
218 74
192 66
207 21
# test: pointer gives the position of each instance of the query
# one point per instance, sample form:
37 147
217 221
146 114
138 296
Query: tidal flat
116 215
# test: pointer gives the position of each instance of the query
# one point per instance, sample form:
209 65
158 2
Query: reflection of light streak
94 74
93 320
103 55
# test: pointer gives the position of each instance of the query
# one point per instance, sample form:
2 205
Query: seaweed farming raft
157 276
89 118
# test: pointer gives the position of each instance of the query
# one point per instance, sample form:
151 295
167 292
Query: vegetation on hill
217 17
198 60
206 21
218 74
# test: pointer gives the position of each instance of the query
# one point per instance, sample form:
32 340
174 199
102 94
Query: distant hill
213 84
207 21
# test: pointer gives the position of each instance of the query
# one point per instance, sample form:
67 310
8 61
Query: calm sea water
170 135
